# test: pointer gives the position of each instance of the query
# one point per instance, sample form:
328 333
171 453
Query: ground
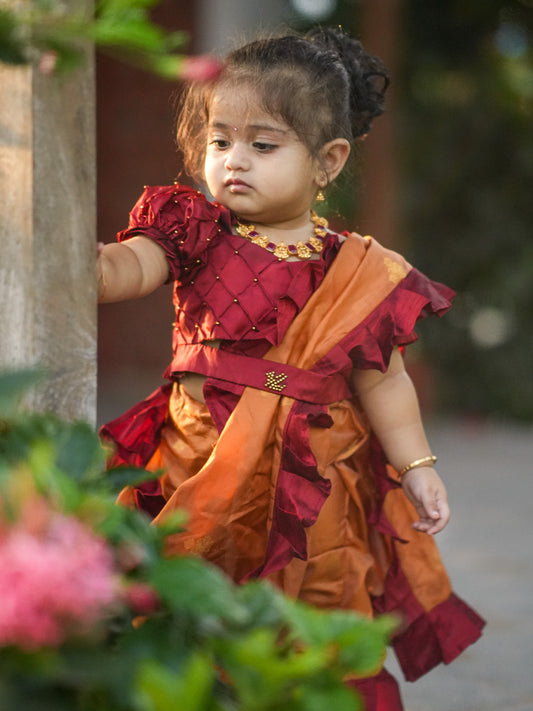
488 550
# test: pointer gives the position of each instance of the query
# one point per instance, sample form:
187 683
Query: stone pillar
47 235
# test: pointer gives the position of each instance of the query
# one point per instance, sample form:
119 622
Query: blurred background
445 177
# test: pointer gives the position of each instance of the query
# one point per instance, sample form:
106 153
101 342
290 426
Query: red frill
438 635
392 324
300 491
135 434
379 693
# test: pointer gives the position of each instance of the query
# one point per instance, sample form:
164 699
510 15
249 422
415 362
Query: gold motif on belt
275 381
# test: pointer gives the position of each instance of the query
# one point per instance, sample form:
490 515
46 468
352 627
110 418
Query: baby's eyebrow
267 127
254 127
218 124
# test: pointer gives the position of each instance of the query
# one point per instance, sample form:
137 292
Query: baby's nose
237 157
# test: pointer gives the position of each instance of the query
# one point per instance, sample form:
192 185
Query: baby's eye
264 147
219 143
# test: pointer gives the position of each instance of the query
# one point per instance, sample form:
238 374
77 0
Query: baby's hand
425 490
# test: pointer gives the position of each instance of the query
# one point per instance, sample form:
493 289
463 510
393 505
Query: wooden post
381 32
47 235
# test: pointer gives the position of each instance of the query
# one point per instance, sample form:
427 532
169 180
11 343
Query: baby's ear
333 156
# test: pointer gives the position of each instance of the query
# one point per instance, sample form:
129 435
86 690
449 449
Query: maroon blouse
225 287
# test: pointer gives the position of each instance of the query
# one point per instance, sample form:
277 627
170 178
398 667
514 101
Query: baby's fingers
430 526
434 514
424 488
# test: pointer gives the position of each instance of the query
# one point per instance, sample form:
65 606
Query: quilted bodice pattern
225 287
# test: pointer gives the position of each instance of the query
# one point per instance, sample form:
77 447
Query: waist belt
267 375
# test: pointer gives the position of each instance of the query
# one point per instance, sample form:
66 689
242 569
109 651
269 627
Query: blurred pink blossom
142 598
56 578
203 67
47 62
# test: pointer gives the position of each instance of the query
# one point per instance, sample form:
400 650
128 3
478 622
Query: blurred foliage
464 117
467 151
465 95
202 643
55 34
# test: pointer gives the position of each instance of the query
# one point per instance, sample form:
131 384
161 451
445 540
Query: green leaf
174 522
335 697
119 477
358 642
49 479
191 585
109 7
176 40
14 384
79 452
362 649
69 53
11 47
161 689
121 524
167 66
258 656
266 605
132 32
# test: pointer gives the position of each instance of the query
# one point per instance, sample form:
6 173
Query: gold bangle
430 459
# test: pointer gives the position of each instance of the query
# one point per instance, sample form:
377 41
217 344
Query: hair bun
368 76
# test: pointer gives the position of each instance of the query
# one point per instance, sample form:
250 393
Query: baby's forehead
242 110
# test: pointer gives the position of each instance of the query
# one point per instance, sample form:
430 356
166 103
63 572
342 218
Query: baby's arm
130 269
391 404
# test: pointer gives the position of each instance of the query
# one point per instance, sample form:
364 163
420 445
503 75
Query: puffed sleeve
180 219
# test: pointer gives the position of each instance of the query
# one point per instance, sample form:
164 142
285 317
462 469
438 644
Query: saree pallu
294 488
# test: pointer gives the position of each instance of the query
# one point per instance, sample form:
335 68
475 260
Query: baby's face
255 164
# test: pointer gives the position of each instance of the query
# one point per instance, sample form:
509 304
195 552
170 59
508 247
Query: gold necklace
301 250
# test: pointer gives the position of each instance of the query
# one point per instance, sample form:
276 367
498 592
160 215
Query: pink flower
53 582
47 62
142 598
204 67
